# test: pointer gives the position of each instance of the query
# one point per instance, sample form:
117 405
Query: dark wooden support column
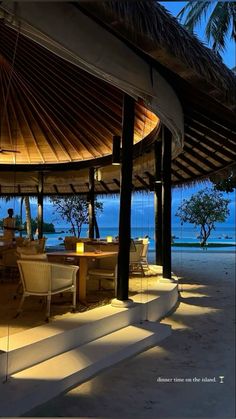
91 203
40 206
158 202
125 198
166 204
21 213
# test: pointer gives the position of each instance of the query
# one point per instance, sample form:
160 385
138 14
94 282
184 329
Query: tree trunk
21 211
97 232
28 217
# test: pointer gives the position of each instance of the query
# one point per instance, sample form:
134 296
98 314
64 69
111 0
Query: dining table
6 244
81 260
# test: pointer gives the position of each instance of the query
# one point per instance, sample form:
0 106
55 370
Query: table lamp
79 247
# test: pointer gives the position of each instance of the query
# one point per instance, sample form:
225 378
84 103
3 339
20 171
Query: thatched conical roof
57 113
151 28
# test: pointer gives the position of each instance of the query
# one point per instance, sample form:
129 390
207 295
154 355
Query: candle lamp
79 247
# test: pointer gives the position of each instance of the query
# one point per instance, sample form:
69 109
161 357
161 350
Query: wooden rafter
191 163
104 185
201 147
72 188
199 130
117 182
56 189
198 158
176 174
202 121
183 168
142 181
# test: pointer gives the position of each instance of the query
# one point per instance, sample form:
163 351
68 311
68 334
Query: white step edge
38 344
40 383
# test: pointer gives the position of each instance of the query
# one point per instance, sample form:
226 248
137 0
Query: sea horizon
222 235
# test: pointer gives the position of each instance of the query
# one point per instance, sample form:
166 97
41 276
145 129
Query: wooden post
40 206
166 198
21 213
158 202
125 198
91 203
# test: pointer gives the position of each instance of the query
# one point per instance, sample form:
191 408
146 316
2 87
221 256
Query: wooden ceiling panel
56 112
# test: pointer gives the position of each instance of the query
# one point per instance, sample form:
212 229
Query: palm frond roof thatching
59 118
152 29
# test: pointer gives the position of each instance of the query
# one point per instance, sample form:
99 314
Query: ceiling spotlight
116 149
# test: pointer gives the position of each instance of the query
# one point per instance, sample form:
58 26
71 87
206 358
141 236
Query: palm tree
26 200
220 24
28 217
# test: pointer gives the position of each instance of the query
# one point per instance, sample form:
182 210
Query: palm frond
196 11
232 8
222 19
218 26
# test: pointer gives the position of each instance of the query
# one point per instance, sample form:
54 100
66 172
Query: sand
180 377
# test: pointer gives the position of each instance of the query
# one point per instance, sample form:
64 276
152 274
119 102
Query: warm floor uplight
194 310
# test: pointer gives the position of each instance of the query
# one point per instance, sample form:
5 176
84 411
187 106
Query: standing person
9 226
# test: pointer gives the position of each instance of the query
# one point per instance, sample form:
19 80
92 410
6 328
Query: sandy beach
181 376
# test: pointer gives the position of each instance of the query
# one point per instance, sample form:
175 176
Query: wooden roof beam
176 174
142 181
193 164
34 194
25 111
197 156
117 182
151 179
220 147
105 186
208 152
217 126
216 113
184 168
72 188
211 137
56 189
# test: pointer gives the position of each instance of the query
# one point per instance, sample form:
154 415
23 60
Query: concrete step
40 383
25 349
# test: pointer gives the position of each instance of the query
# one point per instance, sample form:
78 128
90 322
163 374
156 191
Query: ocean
223 234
